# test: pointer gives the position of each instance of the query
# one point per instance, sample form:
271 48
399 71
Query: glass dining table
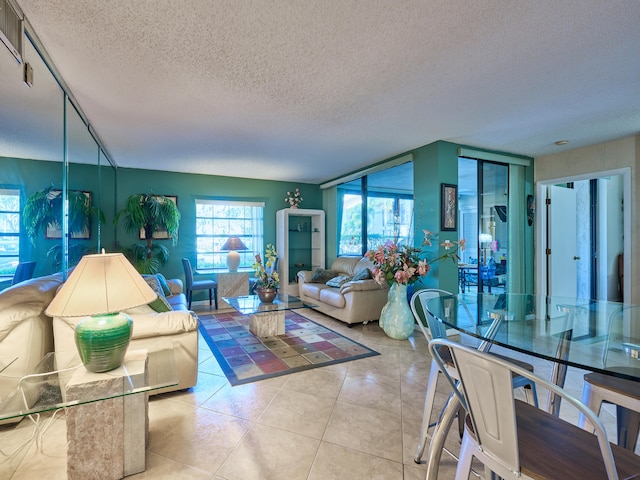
598 336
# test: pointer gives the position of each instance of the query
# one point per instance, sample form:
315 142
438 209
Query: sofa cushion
178 302
339 280
312 290
163 283
364 264
160 304
345 265
333 297
320 275
364 274
25 300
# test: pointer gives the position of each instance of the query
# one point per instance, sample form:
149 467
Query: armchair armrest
362 286
304 276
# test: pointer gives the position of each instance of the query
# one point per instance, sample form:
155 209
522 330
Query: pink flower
423 268
378 276
447 244
401 276
427 237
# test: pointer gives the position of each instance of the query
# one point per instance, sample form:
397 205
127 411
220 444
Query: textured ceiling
310 90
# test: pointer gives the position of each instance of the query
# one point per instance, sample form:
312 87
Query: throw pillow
320 275
160 304
364 274
163 283
339 281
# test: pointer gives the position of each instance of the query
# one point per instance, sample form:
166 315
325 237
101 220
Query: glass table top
598 336
251 304
44 389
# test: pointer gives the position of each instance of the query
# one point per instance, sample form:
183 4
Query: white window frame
3 254
254 239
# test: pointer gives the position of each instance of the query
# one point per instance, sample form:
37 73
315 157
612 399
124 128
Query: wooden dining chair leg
628 427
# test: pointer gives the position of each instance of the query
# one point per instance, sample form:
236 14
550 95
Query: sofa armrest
304 276
175 285
362 286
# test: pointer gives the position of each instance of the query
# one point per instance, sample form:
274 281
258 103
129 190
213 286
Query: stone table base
107 439
267 324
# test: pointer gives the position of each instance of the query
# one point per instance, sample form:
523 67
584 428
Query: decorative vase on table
266 295
396 318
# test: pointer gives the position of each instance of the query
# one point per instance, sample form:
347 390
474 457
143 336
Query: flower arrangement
266 275
294 199
404 264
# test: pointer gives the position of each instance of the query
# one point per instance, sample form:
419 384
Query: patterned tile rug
246 358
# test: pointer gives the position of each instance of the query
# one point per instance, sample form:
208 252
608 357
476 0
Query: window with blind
9 231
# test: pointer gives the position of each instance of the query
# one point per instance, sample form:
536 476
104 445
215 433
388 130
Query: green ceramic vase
102 341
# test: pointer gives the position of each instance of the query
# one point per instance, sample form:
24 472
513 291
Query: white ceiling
309 90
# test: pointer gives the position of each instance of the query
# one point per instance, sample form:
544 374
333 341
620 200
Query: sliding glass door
484 192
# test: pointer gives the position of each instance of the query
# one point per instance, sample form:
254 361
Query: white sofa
356 301
28 333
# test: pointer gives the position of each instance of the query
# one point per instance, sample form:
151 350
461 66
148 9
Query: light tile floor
356 420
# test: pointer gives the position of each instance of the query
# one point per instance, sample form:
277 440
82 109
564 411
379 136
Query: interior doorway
578 242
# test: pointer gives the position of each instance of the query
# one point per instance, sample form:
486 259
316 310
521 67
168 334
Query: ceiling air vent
11 29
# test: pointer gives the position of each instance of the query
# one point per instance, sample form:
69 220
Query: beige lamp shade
101 283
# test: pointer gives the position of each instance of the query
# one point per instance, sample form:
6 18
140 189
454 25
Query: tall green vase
396 318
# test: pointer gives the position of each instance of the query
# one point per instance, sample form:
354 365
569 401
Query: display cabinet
299 244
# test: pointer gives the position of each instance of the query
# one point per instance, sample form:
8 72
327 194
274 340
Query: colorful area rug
246 358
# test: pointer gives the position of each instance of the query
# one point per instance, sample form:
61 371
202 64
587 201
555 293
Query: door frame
541 225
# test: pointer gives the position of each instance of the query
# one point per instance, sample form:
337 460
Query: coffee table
266 319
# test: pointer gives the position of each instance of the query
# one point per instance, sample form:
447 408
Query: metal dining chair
624 394
191 284
514 439
432 328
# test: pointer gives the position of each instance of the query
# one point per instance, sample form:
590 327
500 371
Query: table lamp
99 288
233 244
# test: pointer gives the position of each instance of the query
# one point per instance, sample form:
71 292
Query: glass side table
106 412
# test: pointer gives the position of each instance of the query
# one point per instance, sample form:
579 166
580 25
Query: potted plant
267 279
149 213
43 211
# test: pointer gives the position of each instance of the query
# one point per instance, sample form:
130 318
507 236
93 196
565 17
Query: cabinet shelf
300 244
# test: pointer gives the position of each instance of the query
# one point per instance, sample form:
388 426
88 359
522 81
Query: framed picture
160 234
449 207
55 231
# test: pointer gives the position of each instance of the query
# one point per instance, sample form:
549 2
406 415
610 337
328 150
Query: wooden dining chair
514 439
432 328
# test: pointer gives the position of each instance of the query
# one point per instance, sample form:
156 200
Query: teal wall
434 164
187 187
32 175
110 189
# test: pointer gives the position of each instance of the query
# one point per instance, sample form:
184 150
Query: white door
561 231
